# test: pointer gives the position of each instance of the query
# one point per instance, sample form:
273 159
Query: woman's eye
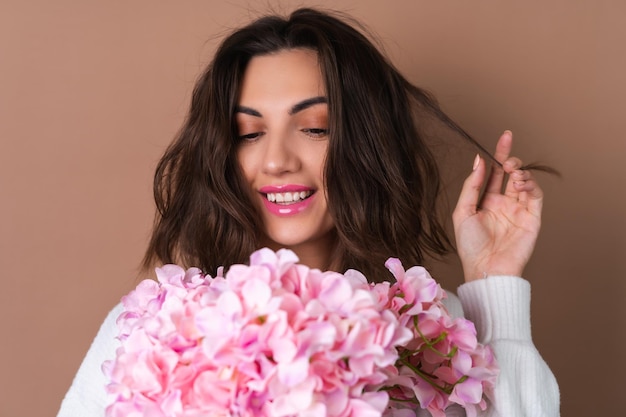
316 132
250 136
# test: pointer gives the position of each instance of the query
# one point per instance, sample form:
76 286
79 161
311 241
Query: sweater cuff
499 306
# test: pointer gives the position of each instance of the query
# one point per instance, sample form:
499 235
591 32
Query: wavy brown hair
382 180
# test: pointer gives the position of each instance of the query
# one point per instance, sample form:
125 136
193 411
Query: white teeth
288 198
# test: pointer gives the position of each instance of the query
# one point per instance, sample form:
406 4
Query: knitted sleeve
499 306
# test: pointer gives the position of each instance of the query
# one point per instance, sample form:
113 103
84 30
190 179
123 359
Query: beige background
92 92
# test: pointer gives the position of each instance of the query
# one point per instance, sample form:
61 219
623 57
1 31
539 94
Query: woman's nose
280 157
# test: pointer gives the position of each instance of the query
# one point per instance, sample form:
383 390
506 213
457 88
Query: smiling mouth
288 197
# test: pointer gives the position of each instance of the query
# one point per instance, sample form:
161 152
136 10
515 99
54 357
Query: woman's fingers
470 192
529 193
516 175
503 150
520 186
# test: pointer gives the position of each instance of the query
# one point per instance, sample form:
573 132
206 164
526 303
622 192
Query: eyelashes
317 133
250 137
314 133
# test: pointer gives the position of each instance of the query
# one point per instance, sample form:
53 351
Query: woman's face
282 120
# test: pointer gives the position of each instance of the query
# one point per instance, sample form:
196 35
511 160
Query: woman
302 135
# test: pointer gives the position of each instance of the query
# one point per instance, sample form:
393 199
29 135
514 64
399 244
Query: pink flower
276 338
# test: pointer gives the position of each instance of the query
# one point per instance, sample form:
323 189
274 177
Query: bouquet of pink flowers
276 338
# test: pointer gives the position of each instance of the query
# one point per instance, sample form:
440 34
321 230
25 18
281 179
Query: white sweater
498 306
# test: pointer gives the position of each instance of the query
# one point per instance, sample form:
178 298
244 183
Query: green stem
428 378
431 343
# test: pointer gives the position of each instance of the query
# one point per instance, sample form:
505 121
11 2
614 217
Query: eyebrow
298 107
305 104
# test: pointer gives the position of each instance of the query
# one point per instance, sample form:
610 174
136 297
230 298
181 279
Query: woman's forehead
292 74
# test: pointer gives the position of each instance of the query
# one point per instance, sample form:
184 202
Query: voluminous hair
382 180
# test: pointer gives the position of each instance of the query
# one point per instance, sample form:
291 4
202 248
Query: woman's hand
496 233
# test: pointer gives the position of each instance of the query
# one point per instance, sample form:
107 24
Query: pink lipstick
288 199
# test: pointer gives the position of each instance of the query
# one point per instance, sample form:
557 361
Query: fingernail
476 162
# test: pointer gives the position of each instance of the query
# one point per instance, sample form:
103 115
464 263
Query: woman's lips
288 199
